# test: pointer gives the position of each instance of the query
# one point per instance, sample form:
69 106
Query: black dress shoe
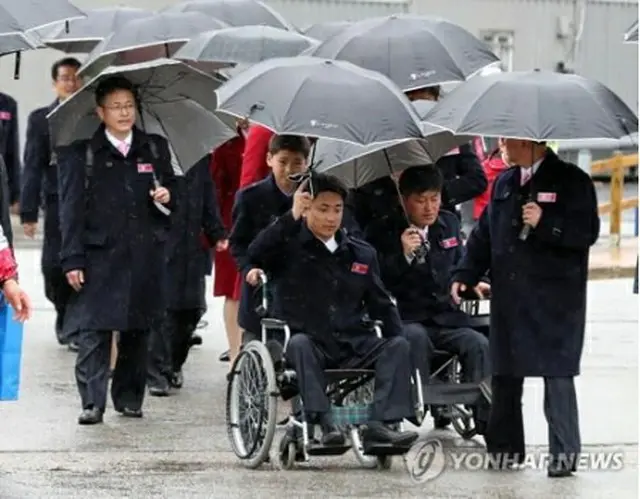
224 357
559 473
159 391
195 340
376 432
331 435
130 413
176 380
90 416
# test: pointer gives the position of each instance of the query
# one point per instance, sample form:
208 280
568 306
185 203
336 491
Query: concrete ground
180 449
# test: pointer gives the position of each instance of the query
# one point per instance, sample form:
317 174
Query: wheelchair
450 399
260 378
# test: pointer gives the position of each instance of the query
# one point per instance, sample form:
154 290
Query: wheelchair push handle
263 307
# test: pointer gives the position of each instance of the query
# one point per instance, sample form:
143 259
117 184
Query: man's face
517 152
325 215
285 163
423 208
422 94
118 111
67 82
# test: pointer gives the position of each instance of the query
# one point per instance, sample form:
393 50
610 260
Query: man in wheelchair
326 286
417 254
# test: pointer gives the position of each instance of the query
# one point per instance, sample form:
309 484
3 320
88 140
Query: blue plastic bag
10 352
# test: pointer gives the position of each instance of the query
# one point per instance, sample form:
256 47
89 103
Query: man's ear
100 113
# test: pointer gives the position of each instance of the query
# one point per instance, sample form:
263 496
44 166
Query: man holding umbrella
115 193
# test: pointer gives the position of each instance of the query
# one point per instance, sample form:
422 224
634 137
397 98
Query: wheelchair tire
286 453
366 461
252 444
462 422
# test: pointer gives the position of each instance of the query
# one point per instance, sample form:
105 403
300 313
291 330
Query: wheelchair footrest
316 448
384 449
452 393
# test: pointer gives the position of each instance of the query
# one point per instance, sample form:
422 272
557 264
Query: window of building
501 43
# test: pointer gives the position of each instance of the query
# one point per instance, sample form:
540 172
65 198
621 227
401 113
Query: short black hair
420 179
64 62
292 143
321 182
113 84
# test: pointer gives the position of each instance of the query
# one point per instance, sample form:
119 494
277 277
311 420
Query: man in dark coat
40 189
186 260
416 260
115 193
538 304
325 284
10 145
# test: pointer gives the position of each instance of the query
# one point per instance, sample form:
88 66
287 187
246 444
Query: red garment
254 160
225 168
492 166
8 265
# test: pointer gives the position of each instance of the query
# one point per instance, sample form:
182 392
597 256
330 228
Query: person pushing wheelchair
328 290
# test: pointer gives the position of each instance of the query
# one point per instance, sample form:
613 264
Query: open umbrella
82 35
535 105
242 45
631 36
175 101
320 98
156 36
26 15
414 52
324 31
235 12
16 42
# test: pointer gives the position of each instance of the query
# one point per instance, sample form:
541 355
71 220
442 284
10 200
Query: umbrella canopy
25 15
534 105
414 52
358 165
16 42
631 36
242 45
82 35
324 31
320 98
157 36
175 100
236 12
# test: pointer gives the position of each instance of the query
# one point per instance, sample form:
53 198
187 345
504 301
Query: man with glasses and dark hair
40 189
115 213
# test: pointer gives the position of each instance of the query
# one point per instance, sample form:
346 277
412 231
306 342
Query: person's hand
531 213
29 229
18 299
161 195
75 278
482 290
411 241
457 288
253 276
301 200
222 245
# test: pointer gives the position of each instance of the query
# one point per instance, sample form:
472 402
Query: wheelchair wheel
462 422
252 398
286 453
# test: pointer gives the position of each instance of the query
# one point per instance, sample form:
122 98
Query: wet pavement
180 449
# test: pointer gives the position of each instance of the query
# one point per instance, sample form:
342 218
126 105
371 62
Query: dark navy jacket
10 144
421 289
326 295
40 184
112 230
539 286
187 257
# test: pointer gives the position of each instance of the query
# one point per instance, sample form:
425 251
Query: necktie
123 148
526 176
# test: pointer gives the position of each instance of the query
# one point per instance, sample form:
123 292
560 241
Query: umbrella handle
16 71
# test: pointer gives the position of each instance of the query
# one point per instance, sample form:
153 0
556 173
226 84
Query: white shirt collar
534 167
116 142
331 244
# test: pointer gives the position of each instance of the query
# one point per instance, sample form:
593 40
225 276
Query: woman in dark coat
225 169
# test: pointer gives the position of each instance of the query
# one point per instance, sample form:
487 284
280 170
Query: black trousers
505 433
92 369
392 397
58 292
169 344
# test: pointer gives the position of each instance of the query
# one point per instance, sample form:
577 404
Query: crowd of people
129 239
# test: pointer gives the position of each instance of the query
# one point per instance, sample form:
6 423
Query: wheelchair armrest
373 325
273 323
